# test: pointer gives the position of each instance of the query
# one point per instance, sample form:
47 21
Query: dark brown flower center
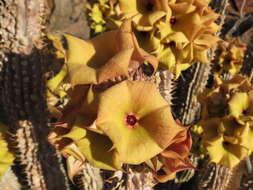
225 143
131 120
149 6
144 34
161 172
172 44
173 20
245 112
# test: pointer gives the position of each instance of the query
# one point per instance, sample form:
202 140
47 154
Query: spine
37 164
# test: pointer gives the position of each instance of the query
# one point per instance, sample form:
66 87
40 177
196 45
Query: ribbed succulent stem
23 95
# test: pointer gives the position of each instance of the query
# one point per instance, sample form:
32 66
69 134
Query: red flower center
131 120
173 20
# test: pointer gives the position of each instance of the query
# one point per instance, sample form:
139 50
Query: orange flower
175 157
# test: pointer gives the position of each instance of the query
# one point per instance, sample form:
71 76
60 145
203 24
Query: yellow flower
178 32
221 143
197 129
139 126
109 55
199 29
231 55
144 13
96 15
119 123
6 157
227 119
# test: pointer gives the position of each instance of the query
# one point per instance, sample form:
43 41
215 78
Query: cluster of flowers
230 55
110 123
227 120
178 32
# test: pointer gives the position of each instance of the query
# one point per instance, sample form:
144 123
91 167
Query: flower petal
96 148
116 66
238 103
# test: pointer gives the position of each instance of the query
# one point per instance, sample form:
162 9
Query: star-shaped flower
107 56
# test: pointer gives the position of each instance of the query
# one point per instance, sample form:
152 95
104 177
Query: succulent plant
116 111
